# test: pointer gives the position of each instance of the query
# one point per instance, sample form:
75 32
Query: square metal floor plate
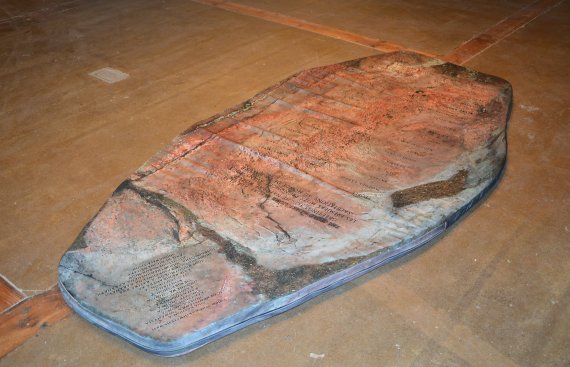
109 75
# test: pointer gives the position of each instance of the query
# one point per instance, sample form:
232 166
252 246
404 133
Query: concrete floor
495 291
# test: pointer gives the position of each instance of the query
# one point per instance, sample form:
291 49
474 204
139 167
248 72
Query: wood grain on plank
321 29
24 320
499 31
9 294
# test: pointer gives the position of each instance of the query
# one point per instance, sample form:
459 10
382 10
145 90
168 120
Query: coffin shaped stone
310 183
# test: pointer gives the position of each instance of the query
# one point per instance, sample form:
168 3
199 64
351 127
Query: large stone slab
312 182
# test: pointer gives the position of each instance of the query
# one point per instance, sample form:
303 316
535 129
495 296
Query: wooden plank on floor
9 294
27 318
499 31
324 30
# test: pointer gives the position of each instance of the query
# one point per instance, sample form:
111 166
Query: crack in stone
148 198
267 194
87 275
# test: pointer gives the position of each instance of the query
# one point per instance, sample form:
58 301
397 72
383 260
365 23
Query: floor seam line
316 28
495 34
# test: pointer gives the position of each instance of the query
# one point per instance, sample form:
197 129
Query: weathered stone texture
317 179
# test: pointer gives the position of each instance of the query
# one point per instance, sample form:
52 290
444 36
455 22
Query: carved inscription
172 293
293 197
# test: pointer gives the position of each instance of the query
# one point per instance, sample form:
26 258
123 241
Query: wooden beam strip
9 294
506 27
324 30
27 318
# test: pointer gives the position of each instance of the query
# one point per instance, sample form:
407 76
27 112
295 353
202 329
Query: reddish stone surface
313 181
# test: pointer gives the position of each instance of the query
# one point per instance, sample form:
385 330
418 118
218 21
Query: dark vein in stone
432 190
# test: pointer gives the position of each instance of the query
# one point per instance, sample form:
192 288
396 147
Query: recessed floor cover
309 184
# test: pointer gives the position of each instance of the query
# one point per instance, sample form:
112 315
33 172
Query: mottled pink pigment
332 167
